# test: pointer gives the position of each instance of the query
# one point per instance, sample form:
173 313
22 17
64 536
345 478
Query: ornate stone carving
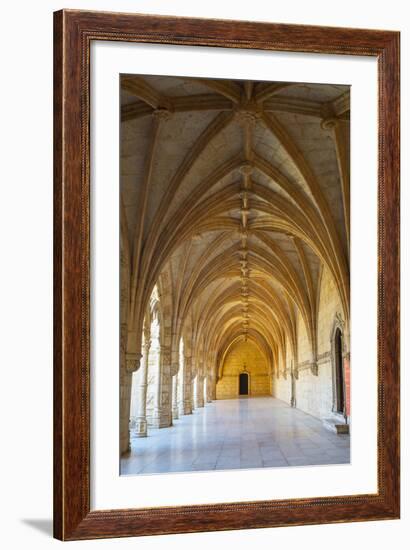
329 119
161 114
123 337
165 356
328 123
246 169
248 113
132 361
339 320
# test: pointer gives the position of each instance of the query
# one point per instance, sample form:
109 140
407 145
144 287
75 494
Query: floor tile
237 433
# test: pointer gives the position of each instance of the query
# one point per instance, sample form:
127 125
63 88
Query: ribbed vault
234 199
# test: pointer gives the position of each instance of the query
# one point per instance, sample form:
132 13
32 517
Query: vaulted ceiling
234 196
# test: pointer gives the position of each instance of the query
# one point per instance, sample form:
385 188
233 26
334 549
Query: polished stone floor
256 432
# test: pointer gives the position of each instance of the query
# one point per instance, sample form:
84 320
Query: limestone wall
243 354
313 392
283 383
329 305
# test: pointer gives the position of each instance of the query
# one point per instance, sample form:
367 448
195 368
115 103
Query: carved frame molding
73 33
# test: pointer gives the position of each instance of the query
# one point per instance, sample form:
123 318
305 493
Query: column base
185 408
159 419
125 447
139 428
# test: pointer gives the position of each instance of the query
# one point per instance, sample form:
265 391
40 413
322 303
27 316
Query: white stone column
153 381
175 412
165 390
205 390
125 395
192 393
185 403
159 389
138 420
199 395
211 388
156 417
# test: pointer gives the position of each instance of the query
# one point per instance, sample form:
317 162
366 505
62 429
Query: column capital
132 361
329 117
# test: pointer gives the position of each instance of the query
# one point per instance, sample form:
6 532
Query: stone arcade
234 256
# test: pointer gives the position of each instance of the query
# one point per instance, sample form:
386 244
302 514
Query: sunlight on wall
243 357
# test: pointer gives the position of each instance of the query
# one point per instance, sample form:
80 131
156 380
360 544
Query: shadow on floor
45 526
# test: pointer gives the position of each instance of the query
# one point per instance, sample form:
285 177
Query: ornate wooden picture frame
74 31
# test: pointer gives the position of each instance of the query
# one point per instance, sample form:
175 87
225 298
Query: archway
244 357
243 383
339 382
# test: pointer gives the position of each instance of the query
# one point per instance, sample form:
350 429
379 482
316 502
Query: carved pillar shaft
125 396
138 420
159 389
157 392
205 389
293 388
165 399
212 389
199 393
153 385
185 404
175 412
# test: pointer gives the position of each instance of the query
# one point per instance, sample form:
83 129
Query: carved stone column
138 420
185 403
293 378
165 393
153 382
159 389
199 395
205 389
212 389
130 362
175 412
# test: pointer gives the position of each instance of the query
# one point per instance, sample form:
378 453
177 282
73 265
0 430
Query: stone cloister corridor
237 433
234 274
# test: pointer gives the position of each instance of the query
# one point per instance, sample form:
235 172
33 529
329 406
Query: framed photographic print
226 275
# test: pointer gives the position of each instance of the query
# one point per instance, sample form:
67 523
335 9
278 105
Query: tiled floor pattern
254 432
